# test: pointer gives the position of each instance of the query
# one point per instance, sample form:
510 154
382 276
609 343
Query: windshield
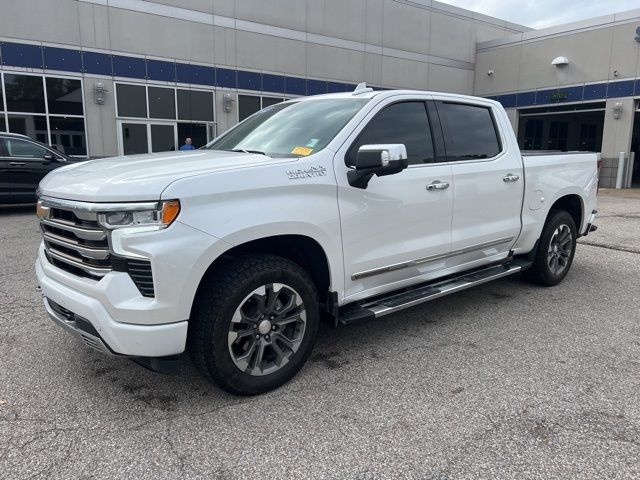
291 129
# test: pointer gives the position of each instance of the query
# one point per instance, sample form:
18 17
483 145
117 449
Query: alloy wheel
559 251
267 329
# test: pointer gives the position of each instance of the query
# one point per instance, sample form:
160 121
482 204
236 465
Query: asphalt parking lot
504 381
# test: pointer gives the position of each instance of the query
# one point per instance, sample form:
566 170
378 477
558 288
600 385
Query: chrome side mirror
380 160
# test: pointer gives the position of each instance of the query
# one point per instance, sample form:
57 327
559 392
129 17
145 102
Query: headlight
160 217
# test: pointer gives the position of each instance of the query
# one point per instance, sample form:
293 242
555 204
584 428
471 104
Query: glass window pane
268 101
162 103
162 138
247 106
134 138
405 123
33 126
291 129
23 149
195 105
1 98
3 126
469 131
64 96
68 135
132 101
25 93
197 132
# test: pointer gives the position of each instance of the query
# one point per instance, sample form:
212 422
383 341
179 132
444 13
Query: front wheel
555 252
254 324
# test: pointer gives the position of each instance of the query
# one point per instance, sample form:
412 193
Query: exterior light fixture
227 102
98 93
617 110
490 73
560 61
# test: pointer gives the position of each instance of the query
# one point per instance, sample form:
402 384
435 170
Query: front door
489 182
397 231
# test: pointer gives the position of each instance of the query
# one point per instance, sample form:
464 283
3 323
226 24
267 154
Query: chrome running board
406 298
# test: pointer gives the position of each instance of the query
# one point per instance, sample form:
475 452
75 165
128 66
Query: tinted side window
469 131
406 123
23 149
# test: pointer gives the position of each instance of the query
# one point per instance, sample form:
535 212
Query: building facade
571 87
106 77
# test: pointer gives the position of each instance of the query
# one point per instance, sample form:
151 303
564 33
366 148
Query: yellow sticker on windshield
302 151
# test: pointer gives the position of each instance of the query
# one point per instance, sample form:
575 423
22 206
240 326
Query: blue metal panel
98 63
336 87
316 87
295 85
620 89
195 74
21 55
272 83
160 70
249 80
597 91
508 101
638 86
131 67
226 78
62 59
544 96
526 99
574 94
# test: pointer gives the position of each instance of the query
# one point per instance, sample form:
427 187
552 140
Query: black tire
224 293
542 271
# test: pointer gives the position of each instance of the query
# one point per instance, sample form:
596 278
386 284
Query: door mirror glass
380 160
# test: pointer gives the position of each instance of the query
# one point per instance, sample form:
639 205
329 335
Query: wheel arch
573 204
300 249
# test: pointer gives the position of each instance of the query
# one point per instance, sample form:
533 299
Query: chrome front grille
75 242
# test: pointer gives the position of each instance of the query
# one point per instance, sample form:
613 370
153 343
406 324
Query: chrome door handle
437 185
17 164
510 177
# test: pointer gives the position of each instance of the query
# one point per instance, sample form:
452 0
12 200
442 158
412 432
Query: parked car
23 163
359 204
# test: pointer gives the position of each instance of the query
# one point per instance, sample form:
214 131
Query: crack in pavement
611 247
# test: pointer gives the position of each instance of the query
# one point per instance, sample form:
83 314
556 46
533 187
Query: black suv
23 163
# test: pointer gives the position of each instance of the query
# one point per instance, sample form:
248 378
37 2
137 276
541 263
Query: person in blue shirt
187 145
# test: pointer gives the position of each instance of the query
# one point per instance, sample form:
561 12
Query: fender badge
310 172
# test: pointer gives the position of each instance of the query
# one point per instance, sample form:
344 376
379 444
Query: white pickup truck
351 206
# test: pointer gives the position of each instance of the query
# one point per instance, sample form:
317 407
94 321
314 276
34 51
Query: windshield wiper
247 151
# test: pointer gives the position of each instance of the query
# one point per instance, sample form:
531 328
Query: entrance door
143 137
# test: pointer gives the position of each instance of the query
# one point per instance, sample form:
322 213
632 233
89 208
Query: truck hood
142 177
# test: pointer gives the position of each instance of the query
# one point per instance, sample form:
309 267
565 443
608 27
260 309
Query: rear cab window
470 131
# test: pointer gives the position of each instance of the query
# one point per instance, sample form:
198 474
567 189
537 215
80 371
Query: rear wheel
254 324
556 249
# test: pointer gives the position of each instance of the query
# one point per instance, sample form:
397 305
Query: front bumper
70 309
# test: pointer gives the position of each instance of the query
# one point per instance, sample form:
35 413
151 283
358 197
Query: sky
545 13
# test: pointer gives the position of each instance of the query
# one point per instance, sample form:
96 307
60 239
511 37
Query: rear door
488 178
28 163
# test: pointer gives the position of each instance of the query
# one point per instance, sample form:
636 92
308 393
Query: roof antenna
362 88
